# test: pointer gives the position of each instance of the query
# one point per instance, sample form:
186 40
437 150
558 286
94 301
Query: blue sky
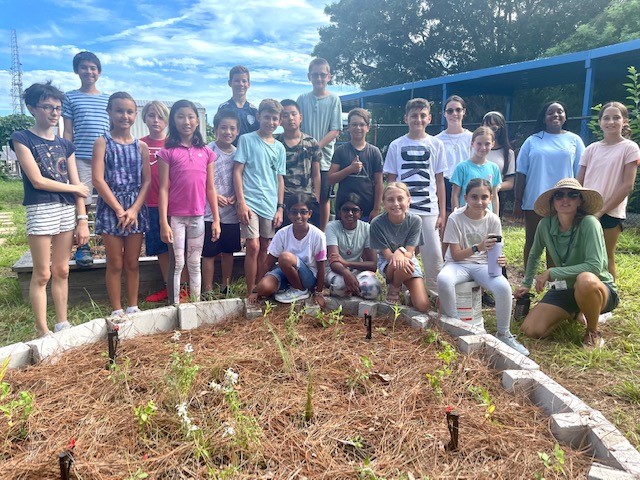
165 50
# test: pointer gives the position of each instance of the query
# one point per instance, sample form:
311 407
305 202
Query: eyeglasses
318 75
298 212
354 210
358 125
50 108
450 111
559 195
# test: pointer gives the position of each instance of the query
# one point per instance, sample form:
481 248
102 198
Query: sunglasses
572 195
298 212
454 110
354 210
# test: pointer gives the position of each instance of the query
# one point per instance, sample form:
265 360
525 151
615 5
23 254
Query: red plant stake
66 460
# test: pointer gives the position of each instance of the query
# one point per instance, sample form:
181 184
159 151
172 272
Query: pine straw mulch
385 418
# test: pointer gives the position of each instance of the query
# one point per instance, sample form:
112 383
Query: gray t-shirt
350 243
223 167
385 234
464 231
320 115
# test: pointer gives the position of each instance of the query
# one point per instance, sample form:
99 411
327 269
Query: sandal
393 295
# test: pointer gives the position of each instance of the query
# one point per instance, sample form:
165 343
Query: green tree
385 42
12 123
619 22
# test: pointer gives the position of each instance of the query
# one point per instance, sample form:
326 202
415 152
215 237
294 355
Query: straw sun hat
591 200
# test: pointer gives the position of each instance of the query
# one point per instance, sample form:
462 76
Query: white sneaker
604 317
132 310
61 326
509 339
292 295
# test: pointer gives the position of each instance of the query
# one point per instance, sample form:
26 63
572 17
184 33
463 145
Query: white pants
454 273
431 253
188 233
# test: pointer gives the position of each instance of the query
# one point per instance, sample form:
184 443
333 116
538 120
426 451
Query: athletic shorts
566 299
50 218
153 244
607 221
325 186
229 241
258 227
84 172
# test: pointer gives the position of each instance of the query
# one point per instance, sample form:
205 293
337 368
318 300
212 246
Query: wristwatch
280 205
403 250
474 249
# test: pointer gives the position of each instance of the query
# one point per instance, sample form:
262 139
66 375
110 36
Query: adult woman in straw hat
580 281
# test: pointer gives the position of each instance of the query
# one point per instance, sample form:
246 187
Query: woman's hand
222 201
502 261
82 190
319 298
542 279
351 282
487 244
521 292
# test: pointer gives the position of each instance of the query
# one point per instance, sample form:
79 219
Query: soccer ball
370 287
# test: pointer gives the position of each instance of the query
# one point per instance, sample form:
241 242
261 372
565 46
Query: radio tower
16 76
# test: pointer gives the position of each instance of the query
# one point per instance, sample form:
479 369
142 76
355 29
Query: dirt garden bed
285 396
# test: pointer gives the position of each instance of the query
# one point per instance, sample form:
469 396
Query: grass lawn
606 379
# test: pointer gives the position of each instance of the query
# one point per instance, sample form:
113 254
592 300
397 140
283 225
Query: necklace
454 144
349 244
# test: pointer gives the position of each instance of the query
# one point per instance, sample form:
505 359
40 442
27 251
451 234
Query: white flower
229 431
188 348
215 386
182 410
176 336
193 428
230 378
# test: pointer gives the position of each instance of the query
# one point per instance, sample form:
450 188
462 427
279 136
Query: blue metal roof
587 67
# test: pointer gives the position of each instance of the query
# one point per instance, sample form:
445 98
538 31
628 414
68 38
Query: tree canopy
385 42
619 22
12 123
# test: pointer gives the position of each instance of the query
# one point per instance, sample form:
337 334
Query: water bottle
495 270
523 304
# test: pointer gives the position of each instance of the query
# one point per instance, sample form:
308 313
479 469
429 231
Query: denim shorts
153 244
382 266
307 277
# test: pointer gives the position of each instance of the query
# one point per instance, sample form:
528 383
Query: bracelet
280 205
83 217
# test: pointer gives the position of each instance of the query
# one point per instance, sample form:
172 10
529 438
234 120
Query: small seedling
268 307
482 396
144 413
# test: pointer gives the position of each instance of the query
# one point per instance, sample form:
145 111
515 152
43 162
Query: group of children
193 201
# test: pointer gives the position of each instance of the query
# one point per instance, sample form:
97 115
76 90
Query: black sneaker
487 299
83 256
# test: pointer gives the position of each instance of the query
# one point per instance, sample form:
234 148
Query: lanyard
563 259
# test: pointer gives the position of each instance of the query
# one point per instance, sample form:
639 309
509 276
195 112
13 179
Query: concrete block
19 355
407 313
187 317
602 472
458 328
251 312
350 305
570 428
218 311
369 307
83 334
542 391
311 307
148 322
332 303
498 355
420 322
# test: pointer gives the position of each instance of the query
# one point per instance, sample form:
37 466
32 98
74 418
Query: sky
166 49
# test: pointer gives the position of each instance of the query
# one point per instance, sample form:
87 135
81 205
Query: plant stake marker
368 323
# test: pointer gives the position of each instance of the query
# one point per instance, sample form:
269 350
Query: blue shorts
153 244
307 277
382 266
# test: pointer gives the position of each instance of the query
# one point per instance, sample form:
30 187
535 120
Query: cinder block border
572 421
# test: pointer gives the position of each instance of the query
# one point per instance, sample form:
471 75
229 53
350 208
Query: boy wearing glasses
303 160
85 118
418 160
322 119
357 166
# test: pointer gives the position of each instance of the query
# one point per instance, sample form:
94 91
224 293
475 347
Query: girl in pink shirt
186 182
609 167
